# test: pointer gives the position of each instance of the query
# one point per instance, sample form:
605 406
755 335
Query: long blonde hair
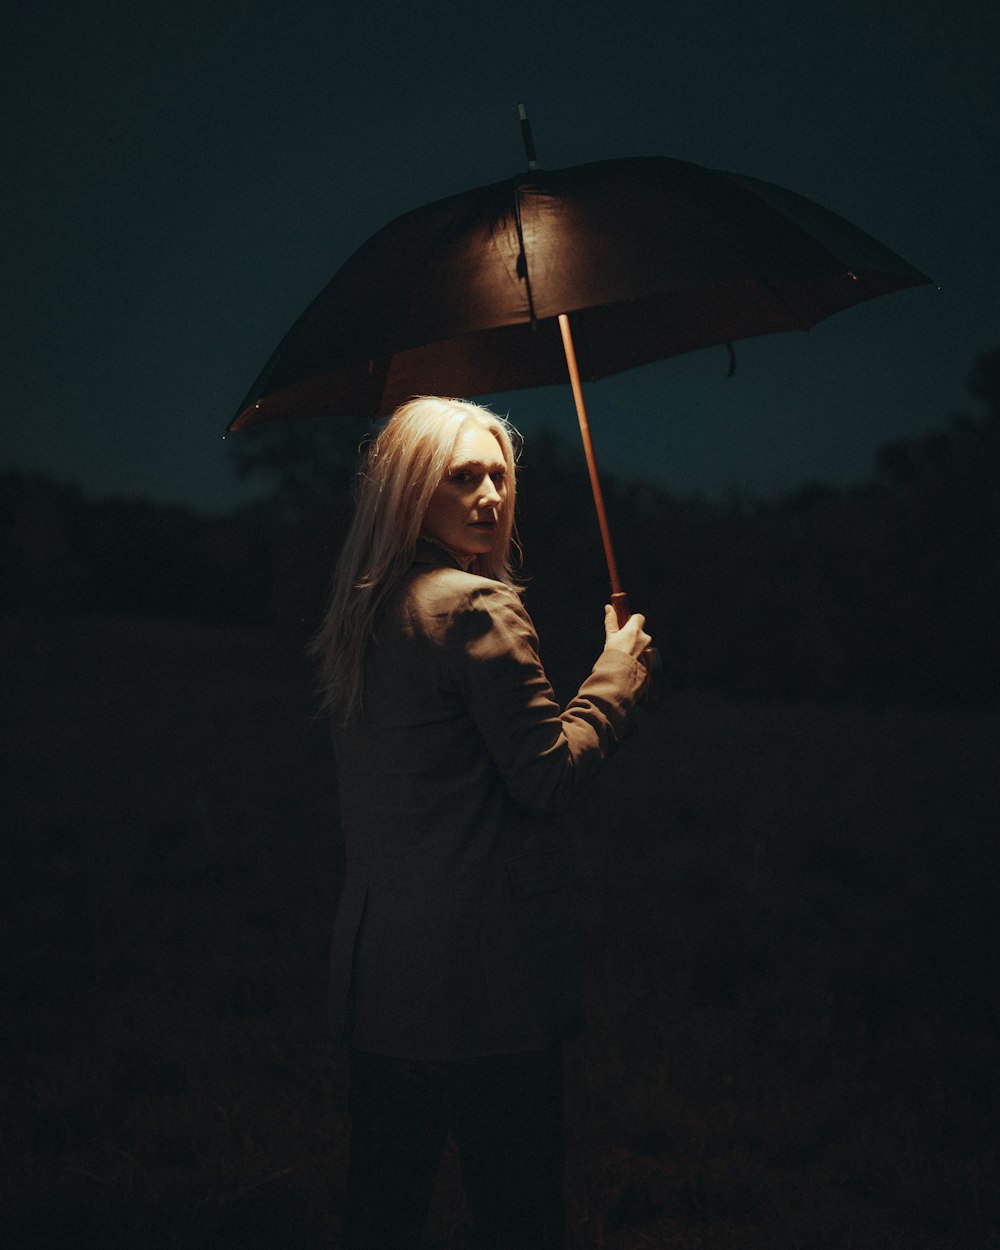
404 465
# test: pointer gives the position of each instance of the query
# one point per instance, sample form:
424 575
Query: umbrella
588 270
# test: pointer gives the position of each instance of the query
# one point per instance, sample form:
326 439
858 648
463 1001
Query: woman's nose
489 496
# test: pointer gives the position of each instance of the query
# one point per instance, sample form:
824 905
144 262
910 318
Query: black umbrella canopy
650 256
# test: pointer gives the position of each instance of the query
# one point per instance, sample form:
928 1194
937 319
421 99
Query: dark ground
791 921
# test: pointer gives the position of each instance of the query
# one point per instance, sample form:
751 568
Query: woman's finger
630 638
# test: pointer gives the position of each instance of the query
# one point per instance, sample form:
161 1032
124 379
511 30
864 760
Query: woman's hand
630 638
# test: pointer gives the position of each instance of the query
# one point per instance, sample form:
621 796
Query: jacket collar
431 553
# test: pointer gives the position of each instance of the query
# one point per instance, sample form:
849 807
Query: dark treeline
882 592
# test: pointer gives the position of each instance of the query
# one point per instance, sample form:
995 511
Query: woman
453 974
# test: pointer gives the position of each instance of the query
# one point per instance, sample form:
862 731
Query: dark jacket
454 935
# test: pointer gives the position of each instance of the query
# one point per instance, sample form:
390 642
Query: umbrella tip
526 136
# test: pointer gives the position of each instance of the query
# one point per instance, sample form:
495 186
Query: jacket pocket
537 873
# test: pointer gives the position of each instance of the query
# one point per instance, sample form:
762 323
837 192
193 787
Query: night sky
181 179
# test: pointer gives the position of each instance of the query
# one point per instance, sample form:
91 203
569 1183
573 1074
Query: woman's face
464 511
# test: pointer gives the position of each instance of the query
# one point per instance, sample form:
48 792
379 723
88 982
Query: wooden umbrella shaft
653 689
618 597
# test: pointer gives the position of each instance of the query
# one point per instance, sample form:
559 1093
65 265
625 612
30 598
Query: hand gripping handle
654 689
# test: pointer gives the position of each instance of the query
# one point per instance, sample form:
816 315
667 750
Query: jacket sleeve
544 754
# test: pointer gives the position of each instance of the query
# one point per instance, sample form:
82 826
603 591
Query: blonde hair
403 467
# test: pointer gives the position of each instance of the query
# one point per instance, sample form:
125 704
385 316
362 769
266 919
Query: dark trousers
505 1113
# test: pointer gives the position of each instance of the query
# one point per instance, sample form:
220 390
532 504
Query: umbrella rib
522 258
803 325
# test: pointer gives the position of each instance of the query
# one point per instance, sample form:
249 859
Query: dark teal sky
182 180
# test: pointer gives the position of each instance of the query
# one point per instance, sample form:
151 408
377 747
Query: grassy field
790 915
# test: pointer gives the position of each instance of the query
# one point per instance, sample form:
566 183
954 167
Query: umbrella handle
619 601
654 691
